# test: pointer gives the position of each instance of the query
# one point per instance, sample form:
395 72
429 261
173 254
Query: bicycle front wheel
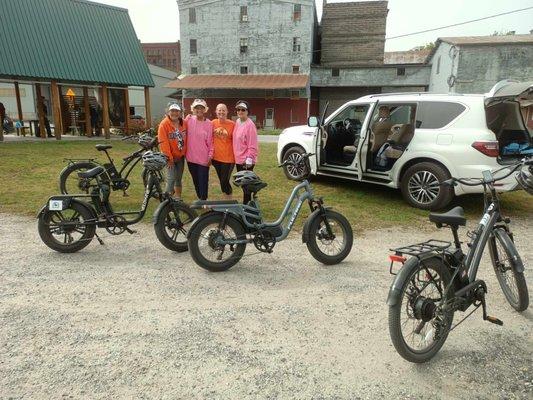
70 182
172 225
418 322
507 262
329 245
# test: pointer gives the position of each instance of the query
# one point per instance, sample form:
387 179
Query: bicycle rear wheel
70 183
417 324
506 262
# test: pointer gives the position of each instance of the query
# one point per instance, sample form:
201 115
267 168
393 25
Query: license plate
55 205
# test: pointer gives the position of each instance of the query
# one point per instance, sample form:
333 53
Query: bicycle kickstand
99 239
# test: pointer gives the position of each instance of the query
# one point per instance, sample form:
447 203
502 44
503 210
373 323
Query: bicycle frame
245 211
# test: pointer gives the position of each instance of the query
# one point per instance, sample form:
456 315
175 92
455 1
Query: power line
460 23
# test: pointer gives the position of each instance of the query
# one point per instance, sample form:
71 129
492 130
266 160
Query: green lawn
30 175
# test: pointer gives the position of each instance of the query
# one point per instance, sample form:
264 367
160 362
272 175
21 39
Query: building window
244 14
296 44
244 45
438 65
335 72
193 47
295 69
269 94
192 15
194 70
295 94
400 71
297 12
244 69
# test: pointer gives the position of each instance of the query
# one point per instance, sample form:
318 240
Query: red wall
282 109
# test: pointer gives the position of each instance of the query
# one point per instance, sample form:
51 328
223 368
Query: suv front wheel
293 170
421 186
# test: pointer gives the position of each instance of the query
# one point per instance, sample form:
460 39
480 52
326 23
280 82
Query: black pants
224 171
241 167
200 178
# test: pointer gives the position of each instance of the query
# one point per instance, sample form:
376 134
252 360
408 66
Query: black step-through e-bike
67 223
439 279
218 238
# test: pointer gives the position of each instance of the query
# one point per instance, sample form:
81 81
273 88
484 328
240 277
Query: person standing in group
172 139
245 147
2 116
223 159
199 147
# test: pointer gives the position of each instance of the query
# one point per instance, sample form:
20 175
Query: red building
164 55
276 101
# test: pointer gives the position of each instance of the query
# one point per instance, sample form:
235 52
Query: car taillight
489 148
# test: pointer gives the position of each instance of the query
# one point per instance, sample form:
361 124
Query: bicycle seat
454 217
91 173
103 147
201 203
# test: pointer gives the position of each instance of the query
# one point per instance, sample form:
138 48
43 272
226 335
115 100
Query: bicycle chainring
116 224
264 241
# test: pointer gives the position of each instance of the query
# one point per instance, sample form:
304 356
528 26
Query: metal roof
279 81
492 39
70 40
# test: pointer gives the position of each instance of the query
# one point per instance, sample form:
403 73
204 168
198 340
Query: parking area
133 320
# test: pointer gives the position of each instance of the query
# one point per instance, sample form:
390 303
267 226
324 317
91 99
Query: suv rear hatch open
506 106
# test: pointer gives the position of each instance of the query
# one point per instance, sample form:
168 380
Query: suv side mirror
313 122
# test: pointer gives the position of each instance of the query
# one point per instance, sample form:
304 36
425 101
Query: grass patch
30 173
269 131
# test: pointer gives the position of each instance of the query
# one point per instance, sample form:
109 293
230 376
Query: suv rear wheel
421 188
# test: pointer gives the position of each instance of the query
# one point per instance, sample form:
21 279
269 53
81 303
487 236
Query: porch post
87 111
40 111
147 107
105 111
127 111
56 109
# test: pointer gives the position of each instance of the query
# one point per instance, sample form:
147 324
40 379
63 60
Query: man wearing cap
171 136
199 147
245 147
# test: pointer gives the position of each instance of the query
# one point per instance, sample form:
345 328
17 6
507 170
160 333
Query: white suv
415 141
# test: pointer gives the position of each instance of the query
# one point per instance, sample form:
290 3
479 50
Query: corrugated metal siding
70 40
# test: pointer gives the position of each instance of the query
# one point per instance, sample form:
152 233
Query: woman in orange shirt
171 136
223 159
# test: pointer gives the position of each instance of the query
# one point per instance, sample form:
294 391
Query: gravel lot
133 320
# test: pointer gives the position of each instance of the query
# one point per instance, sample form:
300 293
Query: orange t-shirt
223 141
167 136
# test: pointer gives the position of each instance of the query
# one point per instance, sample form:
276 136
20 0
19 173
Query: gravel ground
133 320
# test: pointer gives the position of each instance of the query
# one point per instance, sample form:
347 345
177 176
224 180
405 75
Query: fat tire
395 329
507 244
161 232
194 236
48 239
289 152
312 244
73 168
445 195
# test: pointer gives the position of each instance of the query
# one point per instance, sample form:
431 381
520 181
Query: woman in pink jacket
199 147
245 147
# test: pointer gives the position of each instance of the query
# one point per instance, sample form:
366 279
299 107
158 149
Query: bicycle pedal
494 320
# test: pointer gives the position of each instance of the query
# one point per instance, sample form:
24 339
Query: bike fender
205 215
504 236
395 289
158 210
67 201
305 230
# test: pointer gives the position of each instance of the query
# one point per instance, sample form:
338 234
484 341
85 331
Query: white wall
438 82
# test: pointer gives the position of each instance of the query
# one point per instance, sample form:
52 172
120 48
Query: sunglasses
241 109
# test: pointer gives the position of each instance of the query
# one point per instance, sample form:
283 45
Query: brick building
260 51
164 55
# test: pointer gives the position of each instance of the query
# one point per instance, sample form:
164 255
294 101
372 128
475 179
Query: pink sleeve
252 142
209 138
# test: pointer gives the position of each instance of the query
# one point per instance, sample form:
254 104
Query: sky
157 20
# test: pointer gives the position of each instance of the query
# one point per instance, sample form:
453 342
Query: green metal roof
70 40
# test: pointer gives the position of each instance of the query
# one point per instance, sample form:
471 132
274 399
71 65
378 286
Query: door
269 118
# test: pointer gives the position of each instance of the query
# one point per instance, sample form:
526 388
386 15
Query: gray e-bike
218 238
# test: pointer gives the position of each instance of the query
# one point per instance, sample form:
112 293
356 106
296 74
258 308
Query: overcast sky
157 20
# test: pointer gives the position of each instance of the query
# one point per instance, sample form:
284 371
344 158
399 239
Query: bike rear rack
423 248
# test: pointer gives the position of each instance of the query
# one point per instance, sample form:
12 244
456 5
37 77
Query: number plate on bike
55 205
